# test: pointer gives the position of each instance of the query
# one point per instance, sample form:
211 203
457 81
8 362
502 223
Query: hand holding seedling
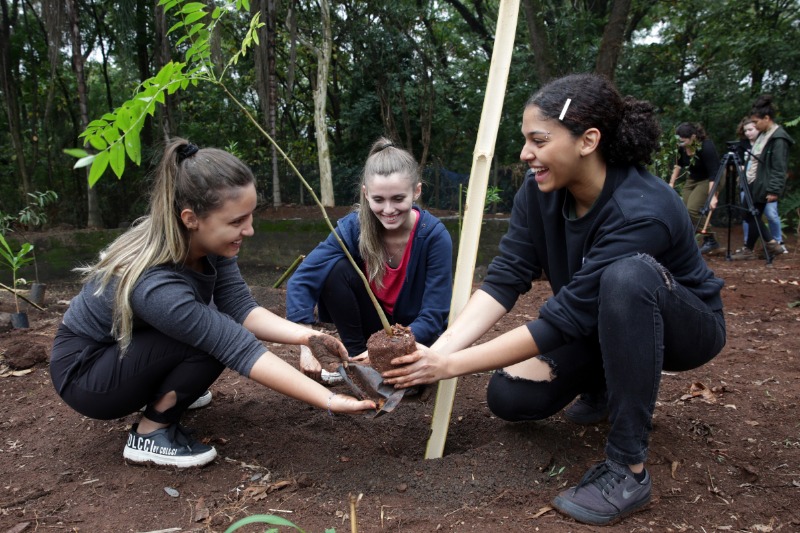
417 368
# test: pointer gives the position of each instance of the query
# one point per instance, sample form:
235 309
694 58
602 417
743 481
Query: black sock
640 476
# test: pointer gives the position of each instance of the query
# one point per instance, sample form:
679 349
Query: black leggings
94 380
346 300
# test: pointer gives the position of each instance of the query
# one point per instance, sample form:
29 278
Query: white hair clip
564 110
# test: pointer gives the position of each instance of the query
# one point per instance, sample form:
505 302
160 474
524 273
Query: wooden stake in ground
476 198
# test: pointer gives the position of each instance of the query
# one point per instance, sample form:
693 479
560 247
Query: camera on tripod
731 145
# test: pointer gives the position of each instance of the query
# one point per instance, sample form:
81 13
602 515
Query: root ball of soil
383 348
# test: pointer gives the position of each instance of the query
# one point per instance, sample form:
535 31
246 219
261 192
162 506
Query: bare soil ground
725 451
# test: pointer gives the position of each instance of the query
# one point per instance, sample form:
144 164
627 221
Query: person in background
632 295
766 175
143 330
405 252
747 133
698 157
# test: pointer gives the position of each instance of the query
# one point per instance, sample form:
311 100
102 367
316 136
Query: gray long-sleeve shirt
176 301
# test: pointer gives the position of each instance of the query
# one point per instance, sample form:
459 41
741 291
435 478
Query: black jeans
646 323
94 380
347 302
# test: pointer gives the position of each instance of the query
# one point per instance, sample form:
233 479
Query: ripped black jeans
646 323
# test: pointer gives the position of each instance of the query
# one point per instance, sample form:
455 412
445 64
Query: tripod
730 167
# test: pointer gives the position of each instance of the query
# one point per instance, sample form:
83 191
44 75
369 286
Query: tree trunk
613 37
320 107
93 219
142 41
10 91
542 56
272 62
320 87
216 41
163 55
266 85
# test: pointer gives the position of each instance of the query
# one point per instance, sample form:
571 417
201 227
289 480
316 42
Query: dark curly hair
687 129
763 106
629 130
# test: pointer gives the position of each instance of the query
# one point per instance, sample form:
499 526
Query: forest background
327 77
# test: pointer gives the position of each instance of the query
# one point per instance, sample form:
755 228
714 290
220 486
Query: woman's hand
339 403
326 348
418 368
309 365
362 358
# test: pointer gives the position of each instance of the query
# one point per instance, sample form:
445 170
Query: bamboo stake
289 271
476 198
16 294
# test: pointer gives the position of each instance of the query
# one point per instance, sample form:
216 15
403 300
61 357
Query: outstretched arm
275 373
452 356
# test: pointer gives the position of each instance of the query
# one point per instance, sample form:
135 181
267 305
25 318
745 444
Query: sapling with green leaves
14 261
32 216
115 137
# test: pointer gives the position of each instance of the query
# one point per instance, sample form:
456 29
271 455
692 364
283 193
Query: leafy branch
117 134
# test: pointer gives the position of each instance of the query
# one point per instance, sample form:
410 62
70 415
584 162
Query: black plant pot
19 320
36 294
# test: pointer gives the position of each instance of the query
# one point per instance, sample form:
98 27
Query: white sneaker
202 401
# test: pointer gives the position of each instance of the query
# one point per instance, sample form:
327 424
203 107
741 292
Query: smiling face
390 198
220 232
550 151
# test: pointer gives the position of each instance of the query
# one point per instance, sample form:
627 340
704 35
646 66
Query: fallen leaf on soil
200 510
259 492
544 510
699 390
674 468
763 528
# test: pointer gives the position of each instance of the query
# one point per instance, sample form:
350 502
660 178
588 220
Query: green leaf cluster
117 135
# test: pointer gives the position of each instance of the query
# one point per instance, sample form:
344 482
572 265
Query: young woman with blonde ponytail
143 331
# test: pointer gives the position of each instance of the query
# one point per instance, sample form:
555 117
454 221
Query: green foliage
267 519
33 215
14 261
116 135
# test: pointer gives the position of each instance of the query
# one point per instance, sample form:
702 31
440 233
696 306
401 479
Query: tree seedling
14 261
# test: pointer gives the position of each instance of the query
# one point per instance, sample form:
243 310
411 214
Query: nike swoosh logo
626 494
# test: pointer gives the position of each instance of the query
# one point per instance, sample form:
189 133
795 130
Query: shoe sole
585 516
142 457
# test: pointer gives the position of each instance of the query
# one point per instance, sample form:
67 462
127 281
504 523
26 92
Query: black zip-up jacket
636 213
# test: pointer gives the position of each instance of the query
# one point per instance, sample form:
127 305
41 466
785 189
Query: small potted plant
14 261
30 217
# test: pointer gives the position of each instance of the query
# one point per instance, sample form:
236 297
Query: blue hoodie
424 301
